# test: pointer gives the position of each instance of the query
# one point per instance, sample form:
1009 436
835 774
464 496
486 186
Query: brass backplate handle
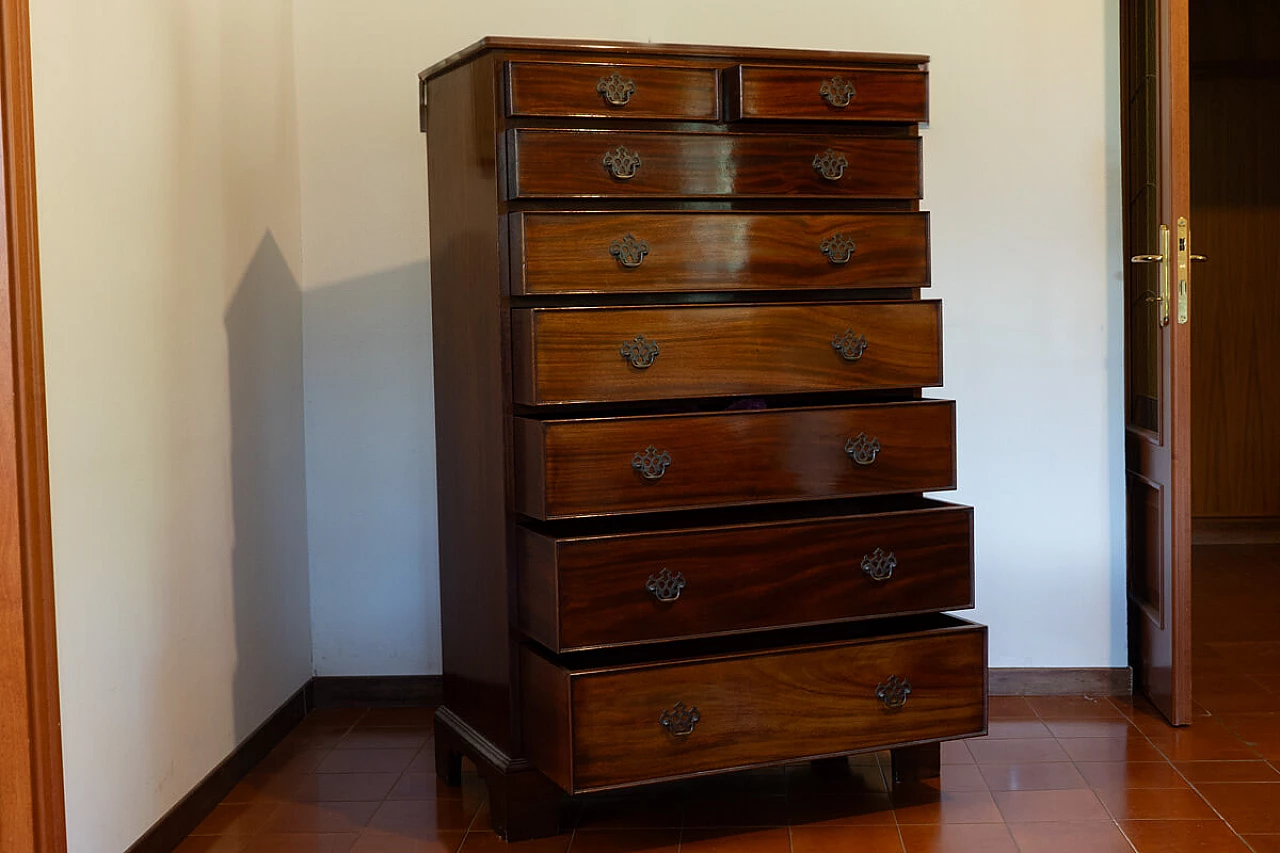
1163 260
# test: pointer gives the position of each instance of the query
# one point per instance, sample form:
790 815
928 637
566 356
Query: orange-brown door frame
31 795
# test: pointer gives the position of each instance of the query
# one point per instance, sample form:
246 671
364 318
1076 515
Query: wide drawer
601 466
556 252
839 94
612 91
590 726
570 355
584 591
569 163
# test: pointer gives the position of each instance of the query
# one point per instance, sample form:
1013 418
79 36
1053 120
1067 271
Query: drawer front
758 709
568 355
603 466
612 91
651 252
560 163
579 593
837 94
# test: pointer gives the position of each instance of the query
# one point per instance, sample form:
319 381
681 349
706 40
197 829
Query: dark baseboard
1116 681
170 831
377 691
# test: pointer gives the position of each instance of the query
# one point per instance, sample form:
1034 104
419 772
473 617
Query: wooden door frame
32 817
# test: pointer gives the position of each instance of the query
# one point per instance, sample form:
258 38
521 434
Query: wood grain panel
569 163
585 467
470 336
567 355
591 591
562 252
778 705
572 90
796 92
1235 303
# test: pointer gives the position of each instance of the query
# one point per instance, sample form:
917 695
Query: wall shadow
263 325
371 489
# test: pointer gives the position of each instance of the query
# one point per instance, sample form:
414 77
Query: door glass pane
1142 220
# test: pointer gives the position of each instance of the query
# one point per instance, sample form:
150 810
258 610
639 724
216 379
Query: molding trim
32 808
377 691
1116 681
1216 530
170 831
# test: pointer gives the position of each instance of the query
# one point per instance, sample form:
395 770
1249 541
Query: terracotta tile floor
1072 774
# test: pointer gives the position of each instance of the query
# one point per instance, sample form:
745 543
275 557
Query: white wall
1021 173
170 243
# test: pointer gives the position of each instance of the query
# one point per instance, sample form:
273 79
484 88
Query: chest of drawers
680 350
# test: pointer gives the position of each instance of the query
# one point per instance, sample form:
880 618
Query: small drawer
587 591
598 163
597 355
586 253
603 466
833 94
591 724
612 91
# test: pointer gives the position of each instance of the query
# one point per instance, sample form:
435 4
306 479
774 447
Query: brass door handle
1199 259
1147 259
1161 258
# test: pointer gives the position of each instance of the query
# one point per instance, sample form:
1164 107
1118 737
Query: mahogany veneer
679 356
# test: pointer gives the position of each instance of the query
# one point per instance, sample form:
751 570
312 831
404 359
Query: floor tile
1131 774
1262 843
632 813
960 777
1012 729
630 841
1070 837
1182 836
376 841
1037 806
212 844
292 760
383 738
955 752
1073 708
340 787
236 819
826 839
859 809
488 842
861 777
1034 776
320 817
1022 750
1227 771
421 718
1250 807
743 811
366 761
1136 748
1113 727
301 842
958 838
1010 708
1156 804
914 807
775 840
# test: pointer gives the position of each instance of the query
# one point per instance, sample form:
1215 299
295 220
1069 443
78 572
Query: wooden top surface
623 49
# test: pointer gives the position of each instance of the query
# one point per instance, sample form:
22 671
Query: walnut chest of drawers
680 350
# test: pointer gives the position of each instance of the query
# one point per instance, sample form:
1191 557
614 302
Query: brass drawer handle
879 566
640 353
862 448
894 692
680 721
621 163
830 164
850 346
629 252
616 89
651 463
838 92
838 249
666 586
